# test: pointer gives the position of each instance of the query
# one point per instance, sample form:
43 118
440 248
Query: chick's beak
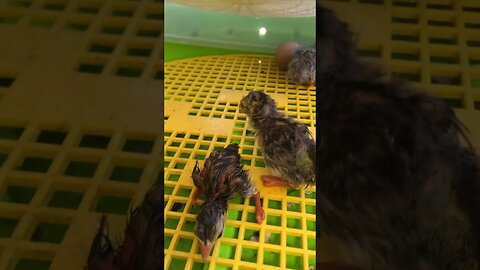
205 249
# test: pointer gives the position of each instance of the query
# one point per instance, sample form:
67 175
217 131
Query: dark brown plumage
142 246
221 176
397 188
287 145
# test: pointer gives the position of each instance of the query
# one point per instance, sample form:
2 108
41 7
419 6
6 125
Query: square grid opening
51 169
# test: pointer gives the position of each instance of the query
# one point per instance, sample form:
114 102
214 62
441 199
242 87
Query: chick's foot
260 213
273 181
260 216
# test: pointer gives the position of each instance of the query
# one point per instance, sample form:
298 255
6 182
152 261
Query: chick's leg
195 195
273 181
260 213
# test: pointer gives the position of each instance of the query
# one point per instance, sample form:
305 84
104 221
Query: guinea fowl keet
222 175
299 62
302 67
287 145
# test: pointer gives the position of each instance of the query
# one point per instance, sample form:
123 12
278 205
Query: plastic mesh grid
53 177
201 107
123 35
68 150
435 43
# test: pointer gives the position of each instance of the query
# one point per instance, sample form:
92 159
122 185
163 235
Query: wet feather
141 247
302 66
221 176
287 145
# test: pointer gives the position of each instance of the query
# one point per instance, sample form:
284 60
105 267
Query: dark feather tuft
138 249
399 189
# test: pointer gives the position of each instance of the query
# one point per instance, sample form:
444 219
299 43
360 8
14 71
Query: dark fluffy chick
287 145
397 187
142 246
221 176
301 68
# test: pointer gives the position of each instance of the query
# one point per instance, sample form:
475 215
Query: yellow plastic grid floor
80 123
201 114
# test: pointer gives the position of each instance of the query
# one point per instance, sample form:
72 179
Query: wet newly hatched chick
287 145
142 246
302 68
399 183
221 176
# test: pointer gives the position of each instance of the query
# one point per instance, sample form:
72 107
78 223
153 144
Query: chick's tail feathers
152 246
102 251
197 177
141 246
305 162
140 234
